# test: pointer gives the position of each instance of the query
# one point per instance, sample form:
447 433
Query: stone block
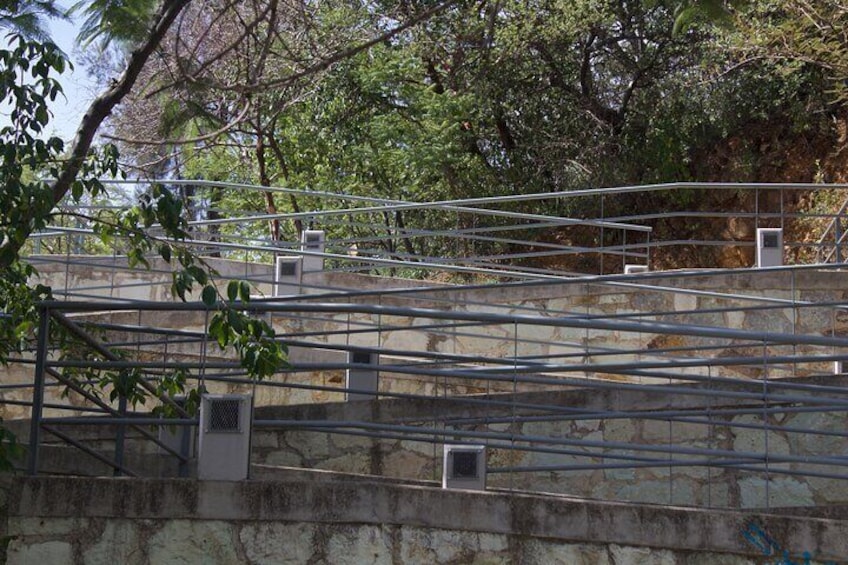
20 553
558 459
264 439
276 542
424 448
814 321
545 429
52 527
588 429
619 430
680 432
769 321
695 472
450 546
348 463
408 465
734 320
539 551
827 491
185 542
569 335
312 446
752 440
817 444
494 346
534 333
119 543
622 555
284 458
416 545
717 559
650 301
714 495
685 302
682 492
782 492
358 544
345 443
405 340
491 544
622 474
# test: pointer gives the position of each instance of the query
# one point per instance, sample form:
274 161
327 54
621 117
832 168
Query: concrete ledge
363 502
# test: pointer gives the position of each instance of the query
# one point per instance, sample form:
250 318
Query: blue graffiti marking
768 546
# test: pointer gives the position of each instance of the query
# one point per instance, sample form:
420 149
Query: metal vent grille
770 240
224 415
287 268
362 357
464 465
313 240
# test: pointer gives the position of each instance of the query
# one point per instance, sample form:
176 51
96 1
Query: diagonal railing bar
85 449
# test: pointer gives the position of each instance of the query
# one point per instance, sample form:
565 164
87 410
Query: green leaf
165 252
219 330
198 274
209 295
236 321
232 290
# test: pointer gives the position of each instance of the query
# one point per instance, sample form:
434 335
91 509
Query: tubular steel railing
711 387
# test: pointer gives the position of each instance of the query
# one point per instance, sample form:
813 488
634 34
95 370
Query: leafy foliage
27 17
36 175
476 100
27 85
691 13
796 36
109 20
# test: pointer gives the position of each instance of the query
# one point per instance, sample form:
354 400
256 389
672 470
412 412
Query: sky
79 89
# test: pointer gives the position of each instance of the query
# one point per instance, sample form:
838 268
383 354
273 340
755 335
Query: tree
421 101
231 74
37 174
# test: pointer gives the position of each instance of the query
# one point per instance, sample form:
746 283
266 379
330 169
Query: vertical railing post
38 390
120 437
648 251
603 241
623 248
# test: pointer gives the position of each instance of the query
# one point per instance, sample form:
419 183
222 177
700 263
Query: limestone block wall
591 442
588 464
217 541
60 520
659 298
663 302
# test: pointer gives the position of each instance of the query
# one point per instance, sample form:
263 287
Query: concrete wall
59 520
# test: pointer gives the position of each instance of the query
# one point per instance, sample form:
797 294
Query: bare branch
206 137
106 102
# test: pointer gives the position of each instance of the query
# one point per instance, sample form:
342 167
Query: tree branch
106 102
191 140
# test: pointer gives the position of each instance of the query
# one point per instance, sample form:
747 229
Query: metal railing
702 388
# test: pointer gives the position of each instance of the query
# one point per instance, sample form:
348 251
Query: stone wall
56 520
590 441
584 444
663 301
131 542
